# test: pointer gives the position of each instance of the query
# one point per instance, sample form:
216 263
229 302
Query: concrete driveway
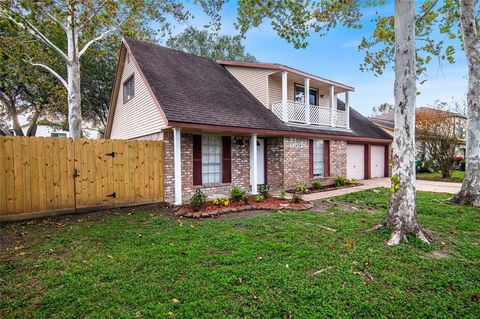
428 186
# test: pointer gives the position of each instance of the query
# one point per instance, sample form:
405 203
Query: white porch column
177 160
284 96
347 109
307 99
253 163
331 97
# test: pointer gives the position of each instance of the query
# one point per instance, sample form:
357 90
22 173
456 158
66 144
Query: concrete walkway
428 186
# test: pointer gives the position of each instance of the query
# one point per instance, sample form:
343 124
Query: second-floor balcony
301 113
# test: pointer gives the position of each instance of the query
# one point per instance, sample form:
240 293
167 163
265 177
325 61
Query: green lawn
146 265
457 177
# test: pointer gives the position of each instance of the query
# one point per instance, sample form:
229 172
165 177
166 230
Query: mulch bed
270 203
325 188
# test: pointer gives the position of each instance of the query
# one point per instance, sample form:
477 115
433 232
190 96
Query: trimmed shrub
236 193
264 190
282 194
198 200
316 184
340 181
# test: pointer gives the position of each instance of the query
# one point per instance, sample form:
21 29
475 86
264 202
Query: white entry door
356 161
261 161
377 164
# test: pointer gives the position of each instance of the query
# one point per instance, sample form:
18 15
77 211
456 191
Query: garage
356 161
377 162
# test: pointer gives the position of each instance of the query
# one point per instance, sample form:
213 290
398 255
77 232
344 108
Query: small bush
297 197
245 198
301 188
221 201
340 181
461 166
198 200
236 193
264 190
259 198
281 194
352 181
316 184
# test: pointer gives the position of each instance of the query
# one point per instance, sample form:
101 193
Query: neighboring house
44 130
228 124
385 121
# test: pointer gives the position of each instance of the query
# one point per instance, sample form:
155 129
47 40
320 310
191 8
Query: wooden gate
48 176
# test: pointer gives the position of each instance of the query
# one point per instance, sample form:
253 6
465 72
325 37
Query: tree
84 23
455 19
470 192
383 108
210 45
437 132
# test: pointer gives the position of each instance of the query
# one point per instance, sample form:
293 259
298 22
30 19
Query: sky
335 57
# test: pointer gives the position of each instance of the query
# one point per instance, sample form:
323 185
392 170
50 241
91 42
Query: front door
261 161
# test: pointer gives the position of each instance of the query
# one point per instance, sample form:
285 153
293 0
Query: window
318 168
128 89
58 134
211 159
300 94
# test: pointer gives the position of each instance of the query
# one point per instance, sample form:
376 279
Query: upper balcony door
299 94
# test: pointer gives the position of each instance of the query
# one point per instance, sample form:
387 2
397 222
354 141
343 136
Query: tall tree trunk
470 192
13 113
73 78
32 129
402 213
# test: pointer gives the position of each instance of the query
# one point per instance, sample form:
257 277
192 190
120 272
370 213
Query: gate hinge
112 154
75 173
112 195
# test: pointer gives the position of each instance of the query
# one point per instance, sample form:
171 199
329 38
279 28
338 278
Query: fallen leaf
175 300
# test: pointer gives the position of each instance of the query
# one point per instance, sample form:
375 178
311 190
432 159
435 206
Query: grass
146 265
457 177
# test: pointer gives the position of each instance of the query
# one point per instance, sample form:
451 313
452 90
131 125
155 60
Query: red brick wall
275 163
296 157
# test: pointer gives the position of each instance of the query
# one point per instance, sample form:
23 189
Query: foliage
198 200
264 190
425 165
340 181
210 45
245 198
221 201
258 198
352 181
301 188
438 137
297 196
197 256
383 108
236 193
395 180
282 194
316 184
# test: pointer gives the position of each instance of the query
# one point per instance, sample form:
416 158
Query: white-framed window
318 161
56 134
128 89
211 159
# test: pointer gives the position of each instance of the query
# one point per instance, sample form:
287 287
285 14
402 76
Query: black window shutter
227 159
197 160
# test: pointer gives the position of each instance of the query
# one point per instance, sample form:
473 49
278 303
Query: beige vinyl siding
275 91
255 80
139 116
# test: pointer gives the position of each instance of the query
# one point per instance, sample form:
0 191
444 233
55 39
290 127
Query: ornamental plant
236 193
198 200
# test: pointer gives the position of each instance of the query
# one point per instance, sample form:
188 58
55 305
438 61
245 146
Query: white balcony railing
319 115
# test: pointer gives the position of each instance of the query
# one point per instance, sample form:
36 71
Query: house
47 130
228 124
457 122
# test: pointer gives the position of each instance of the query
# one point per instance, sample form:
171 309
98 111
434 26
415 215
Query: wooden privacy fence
47 176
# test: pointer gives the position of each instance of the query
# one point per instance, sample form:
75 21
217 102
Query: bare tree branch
89 43
53 72
30 28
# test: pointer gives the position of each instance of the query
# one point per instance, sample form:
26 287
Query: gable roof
195 91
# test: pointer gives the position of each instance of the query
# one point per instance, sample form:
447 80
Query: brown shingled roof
196 90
